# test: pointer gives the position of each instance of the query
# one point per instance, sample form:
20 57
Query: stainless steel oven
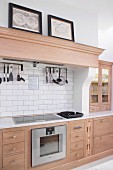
48 144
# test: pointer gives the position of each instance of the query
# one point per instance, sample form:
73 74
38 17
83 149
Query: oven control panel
50 130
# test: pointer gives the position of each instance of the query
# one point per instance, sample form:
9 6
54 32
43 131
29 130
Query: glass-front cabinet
94 90
100 89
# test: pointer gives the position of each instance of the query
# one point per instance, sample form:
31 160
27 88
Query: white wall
82 79
17 99
85 24
106 42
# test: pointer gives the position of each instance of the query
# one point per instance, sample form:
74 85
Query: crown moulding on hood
21 45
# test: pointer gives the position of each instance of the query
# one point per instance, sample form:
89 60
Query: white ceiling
103 8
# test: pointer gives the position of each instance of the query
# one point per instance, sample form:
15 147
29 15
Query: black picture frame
63 24
30 20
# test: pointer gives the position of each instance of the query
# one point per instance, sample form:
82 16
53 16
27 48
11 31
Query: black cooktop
70 114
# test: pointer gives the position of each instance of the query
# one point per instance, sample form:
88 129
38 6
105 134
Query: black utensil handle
59 72
22 79
0 80
46 74
21 67
7 73
4 73
66 73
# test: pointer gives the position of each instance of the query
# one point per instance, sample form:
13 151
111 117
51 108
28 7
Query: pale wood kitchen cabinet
103 134
12 149
100 89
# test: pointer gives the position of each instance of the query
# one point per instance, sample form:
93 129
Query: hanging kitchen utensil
21 78
63 79
4 78
47 75
18 76
0 80
54 76
59 79
50 75
7 73
11 74
66 76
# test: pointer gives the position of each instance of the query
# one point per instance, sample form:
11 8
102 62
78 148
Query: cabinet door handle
77 154
14 137
76 136
78 127
14 149
101 121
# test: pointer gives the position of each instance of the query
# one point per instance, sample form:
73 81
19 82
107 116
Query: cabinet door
105 85
94 89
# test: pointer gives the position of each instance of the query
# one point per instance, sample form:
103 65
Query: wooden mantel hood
21 45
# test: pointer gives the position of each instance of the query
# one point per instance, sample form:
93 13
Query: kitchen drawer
14 136
13 160
103 143
19 167
0 157
77 155
77 126
13 148
0 137
77 136
92 109
103 126
77 145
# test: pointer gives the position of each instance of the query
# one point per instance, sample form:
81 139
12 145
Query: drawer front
77 155
20 167
80 126
77 136
0 157
93 109
103 126
77 145
0 137
103 143
12 137
13 148
13 160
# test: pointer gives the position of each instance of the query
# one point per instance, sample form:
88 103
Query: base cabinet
87 140
77 139
103 134
12 149
103 143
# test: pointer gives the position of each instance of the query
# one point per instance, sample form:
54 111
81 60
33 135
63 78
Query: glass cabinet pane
105 84
94 88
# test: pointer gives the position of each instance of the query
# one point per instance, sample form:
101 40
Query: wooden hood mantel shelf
21 45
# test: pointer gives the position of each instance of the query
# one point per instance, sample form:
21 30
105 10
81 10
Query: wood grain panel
19 167
77 136
77 155
103 126
45 49
75 127
103 143
14 136
77 145
13 148
13 160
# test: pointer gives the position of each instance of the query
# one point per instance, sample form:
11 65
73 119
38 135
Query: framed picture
26 19
60 28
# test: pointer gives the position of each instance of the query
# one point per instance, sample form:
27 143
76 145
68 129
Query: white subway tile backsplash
16 98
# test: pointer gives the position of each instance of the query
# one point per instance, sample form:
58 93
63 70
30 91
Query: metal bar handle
78 127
